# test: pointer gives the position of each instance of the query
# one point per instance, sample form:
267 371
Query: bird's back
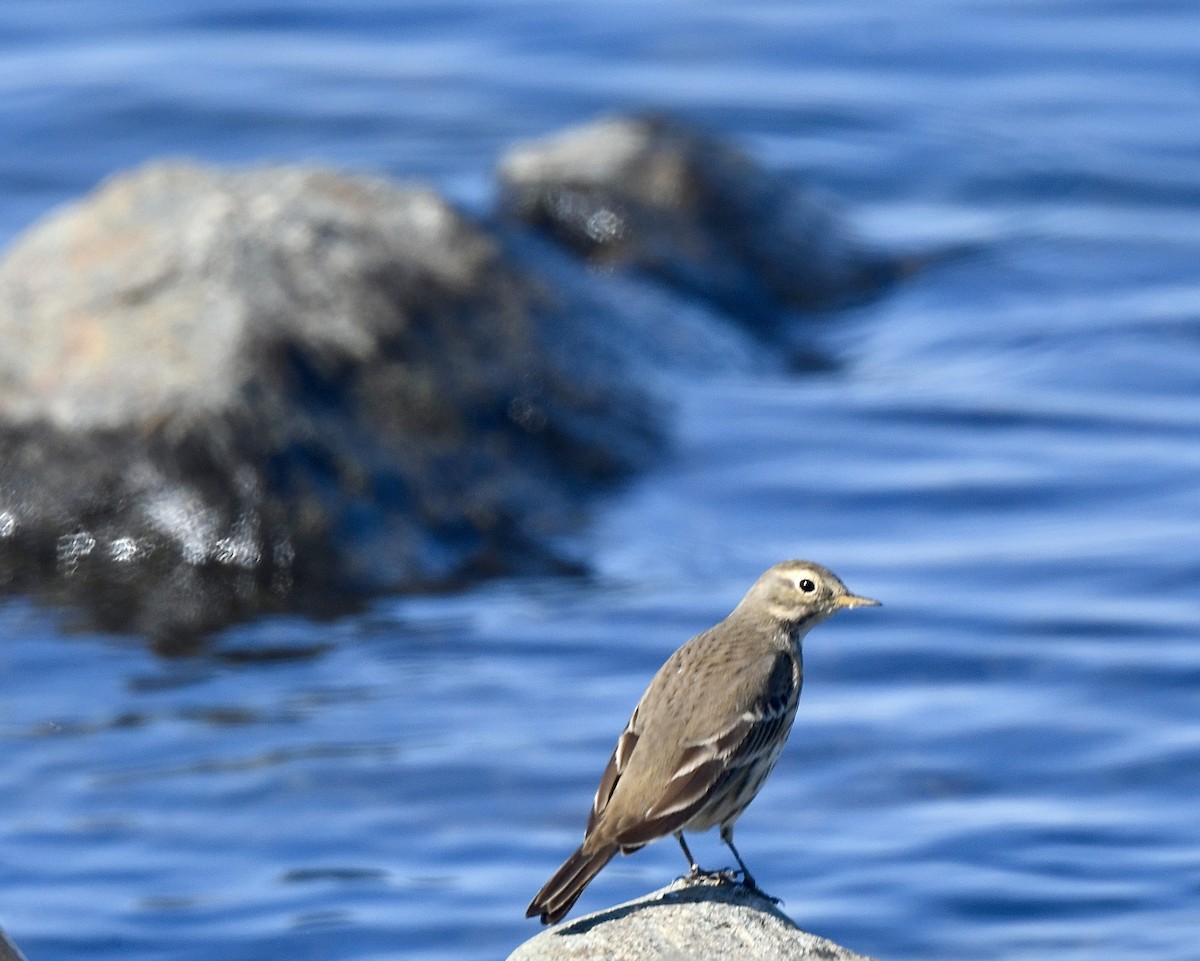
690 706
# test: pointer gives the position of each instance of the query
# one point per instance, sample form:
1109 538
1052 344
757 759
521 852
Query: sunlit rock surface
654 195
225 393
687 920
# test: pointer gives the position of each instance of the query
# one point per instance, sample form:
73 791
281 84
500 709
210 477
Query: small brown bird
707 732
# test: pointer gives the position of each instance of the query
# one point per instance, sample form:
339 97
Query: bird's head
801 593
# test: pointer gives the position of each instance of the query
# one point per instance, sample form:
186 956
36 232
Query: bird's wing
616 767
706 765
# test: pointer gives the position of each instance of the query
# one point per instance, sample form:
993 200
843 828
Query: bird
706 733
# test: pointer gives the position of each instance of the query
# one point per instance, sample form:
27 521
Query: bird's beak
853 600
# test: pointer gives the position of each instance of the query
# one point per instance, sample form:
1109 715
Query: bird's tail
563 889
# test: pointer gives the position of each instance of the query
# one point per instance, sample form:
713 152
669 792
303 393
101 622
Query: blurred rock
654 195
698 920
8 950
279 389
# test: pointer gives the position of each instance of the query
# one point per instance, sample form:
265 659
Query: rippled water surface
1002 762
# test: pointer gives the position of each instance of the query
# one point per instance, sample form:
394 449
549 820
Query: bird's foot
731 876
747 881
722 876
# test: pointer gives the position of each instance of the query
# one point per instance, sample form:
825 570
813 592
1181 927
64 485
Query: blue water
1001 763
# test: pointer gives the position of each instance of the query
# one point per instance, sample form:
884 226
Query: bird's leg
747 878
699 872
694 868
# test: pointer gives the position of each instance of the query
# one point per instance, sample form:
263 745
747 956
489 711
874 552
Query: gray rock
654 195
685 920
223 393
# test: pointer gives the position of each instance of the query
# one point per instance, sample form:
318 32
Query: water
1002 762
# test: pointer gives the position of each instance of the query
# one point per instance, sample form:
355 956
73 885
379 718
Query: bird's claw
721 876
750 884
730 876
763 894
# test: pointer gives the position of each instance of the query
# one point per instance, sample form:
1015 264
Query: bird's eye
807 586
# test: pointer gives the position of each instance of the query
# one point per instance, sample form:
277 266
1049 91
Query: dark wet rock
284 389
687 919
281 389
654 195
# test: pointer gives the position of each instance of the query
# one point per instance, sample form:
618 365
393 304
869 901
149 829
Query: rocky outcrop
223 393
653 195
689 919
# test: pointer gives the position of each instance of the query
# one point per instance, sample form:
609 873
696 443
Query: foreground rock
227 393
686 920
653 195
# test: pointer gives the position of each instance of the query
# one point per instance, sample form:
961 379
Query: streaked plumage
707 732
